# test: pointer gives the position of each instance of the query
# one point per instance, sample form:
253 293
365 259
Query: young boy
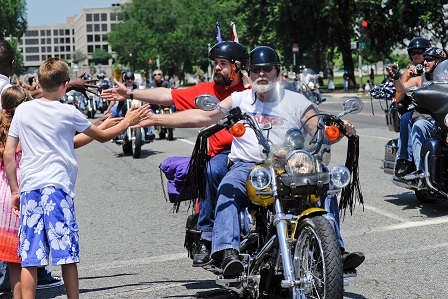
45 128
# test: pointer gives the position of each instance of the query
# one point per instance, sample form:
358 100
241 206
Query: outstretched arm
160 95
191 118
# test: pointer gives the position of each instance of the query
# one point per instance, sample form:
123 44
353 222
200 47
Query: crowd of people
243 79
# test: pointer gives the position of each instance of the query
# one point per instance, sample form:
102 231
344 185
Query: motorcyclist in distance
287 109
230 59
404 164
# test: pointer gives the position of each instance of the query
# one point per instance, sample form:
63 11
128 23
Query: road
132 244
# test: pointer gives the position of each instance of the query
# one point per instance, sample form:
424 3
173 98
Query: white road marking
384 213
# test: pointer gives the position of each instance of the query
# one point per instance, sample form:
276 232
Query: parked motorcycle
288 248
431 184
132 140
163 131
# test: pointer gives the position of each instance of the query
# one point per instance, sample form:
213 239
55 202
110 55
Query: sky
52 12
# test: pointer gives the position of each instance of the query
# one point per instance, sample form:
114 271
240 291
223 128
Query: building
82 34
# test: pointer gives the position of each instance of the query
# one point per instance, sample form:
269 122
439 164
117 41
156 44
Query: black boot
403 167
231 264
352 260
202 254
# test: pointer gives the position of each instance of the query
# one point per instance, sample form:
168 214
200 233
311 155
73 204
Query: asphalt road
132 244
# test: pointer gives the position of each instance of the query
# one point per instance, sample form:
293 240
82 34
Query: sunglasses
413 53
429 59
157 74
66 81
265 69
129 79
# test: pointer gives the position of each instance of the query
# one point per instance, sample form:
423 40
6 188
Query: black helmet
418 43
264 55
101 76
435 52
129 75
231 51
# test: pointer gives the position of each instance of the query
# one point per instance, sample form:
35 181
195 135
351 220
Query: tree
101 56
78 56
13 18
176 31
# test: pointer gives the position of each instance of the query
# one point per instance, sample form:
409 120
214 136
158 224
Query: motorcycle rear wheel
424 196
317 260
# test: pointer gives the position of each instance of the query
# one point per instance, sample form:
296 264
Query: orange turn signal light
332 132
238 130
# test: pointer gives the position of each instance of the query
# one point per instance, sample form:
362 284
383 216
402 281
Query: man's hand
119 93
349 128
148 121
393 71
83 86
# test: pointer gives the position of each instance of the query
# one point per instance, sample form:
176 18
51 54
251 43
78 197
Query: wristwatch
131 94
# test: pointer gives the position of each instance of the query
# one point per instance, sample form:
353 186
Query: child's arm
9 158
133 117
103 123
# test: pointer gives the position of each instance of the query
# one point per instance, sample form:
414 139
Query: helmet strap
234 69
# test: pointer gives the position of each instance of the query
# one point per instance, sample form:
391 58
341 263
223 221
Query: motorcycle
308 86
288 247
431 184
132 140
162 131
90 106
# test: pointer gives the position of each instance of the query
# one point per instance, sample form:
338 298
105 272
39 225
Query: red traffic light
364 23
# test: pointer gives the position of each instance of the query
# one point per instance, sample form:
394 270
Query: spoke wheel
317 261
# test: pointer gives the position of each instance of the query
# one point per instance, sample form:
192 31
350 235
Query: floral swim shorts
48 226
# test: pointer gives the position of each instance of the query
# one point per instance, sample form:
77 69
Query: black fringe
196 176
352 193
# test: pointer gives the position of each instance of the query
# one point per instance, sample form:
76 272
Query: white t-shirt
285 113
45 130
4 83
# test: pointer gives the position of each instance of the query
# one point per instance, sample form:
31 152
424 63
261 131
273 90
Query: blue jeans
421 131
216 170
232 200
404 142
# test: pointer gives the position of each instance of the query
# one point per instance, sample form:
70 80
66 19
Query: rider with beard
423 126
287 109
417 46
229 59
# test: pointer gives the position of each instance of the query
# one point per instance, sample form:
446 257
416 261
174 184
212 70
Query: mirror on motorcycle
206 102
354 104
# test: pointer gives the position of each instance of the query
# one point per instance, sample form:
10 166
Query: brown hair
52 73
11 98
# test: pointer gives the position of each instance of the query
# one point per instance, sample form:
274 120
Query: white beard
262 88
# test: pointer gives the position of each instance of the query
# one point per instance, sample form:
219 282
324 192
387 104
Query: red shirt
184 99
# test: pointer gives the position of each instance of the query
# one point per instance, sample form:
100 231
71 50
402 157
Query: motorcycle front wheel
136 142
317 260
170 134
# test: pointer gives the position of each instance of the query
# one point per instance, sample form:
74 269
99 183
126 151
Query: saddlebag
175 169
290 185
390 153
437 162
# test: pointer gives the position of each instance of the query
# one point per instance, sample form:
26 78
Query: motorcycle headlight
340 176
299 161
260 178
445 120
294 138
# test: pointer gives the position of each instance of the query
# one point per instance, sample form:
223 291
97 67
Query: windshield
441 72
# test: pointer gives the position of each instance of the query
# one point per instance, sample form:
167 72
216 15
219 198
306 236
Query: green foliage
101 56
13 18
78 56
179 32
